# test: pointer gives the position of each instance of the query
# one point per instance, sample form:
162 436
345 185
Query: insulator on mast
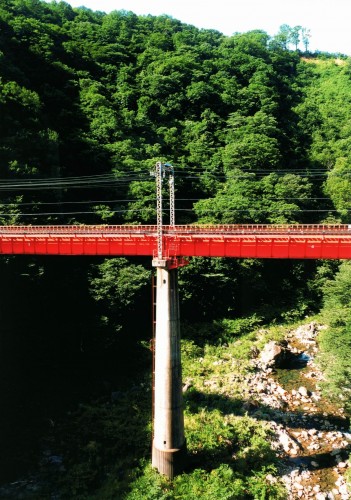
161 169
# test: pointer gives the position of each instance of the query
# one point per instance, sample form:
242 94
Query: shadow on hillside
54 359
52 410
196 401
76 453
318 461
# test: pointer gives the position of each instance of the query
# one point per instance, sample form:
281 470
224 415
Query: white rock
315 446
281 391
343 489
295 472
342 465
285 440
298 486
261 387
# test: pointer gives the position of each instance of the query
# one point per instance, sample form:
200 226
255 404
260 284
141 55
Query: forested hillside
257 133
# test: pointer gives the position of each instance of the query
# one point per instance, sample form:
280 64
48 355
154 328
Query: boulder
304 392
275 354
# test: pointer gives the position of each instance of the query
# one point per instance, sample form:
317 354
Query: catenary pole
169 445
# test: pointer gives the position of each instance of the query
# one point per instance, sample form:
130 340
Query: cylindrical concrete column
169 448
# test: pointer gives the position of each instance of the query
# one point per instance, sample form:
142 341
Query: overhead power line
70 182
113 180
87 202
133 200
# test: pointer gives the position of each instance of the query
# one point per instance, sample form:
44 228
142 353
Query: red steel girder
272 242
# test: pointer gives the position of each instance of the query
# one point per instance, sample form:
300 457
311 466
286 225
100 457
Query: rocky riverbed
279 386
312 435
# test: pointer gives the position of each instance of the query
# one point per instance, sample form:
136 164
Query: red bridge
168 245
246 241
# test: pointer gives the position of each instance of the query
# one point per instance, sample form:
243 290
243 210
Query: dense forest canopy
257 131
245 120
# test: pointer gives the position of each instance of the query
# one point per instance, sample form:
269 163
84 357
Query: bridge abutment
169 445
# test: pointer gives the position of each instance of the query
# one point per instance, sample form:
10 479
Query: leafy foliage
257 133
336 340
118 288
118 284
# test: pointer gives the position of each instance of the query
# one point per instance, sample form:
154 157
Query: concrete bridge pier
169 445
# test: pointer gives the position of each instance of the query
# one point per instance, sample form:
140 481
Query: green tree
282 38
306 35
338 187
118 287
335 342
295 36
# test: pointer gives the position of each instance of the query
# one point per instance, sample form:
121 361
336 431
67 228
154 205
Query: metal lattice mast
160 171
158 175
171 196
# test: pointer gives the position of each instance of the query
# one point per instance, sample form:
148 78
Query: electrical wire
89 202
146 198
111 180
80 178
70 182
35 214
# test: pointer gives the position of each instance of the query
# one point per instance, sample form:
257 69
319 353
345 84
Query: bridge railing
79 229
193 229
261 228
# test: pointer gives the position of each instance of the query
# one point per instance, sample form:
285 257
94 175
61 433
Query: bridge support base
169 446
169 462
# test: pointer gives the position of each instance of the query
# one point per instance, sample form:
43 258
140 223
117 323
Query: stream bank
276 383
312 434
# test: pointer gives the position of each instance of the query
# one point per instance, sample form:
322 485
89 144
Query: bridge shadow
54 364
61 421
317 461
227 449
196 401
74 448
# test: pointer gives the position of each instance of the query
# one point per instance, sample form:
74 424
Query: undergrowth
106 445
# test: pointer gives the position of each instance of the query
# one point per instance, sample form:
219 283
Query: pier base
169 462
